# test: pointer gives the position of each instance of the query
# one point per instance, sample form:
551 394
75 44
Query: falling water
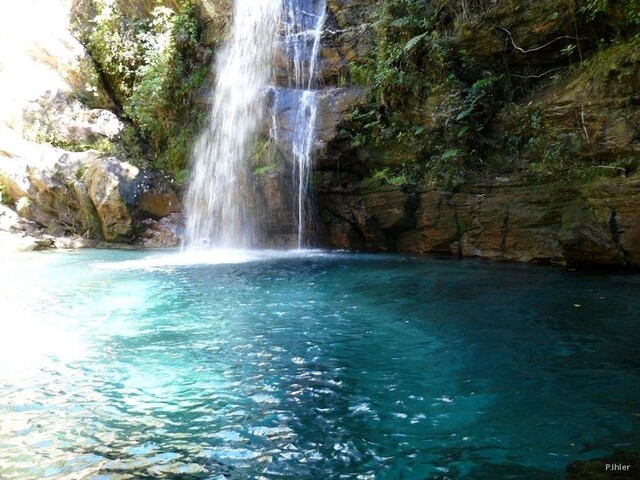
218 200
220 210
304 20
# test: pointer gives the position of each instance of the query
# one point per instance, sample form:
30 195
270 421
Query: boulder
81 193
122 193
44 184
111 185
164 233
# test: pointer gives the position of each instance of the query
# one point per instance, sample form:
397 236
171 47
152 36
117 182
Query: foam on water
216 256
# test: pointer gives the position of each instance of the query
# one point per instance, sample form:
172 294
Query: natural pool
130 365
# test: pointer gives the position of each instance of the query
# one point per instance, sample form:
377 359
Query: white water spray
302 35
217 203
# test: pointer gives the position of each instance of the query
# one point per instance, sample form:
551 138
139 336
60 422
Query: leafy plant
155 64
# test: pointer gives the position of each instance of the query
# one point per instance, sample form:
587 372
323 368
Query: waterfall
217 204
220 203
304 20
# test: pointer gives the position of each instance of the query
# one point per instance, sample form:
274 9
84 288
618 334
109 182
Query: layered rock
505 220
507 215
582 122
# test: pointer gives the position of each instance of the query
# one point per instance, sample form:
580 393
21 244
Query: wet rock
586 234
164 233
348 35
333 104
156 197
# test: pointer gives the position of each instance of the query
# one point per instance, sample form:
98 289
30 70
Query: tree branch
535 49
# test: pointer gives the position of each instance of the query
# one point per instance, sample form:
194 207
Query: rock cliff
526 150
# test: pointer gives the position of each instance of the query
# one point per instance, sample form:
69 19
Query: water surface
130 365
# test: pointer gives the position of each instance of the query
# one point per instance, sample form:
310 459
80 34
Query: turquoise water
129 365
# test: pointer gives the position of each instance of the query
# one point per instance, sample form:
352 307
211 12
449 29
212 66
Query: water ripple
307 367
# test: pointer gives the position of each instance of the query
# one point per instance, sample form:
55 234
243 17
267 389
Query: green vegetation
4 197
265 157
428 101
81 171
384 176
455 95
50 137
155 64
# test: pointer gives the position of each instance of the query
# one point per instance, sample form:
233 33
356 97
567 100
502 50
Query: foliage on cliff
154 62
470 87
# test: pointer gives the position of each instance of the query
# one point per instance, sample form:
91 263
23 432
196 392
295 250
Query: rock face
504 220
508 214
51 90
346 36
82 193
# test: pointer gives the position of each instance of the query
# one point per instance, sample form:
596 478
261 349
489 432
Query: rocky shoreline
503 219
84 199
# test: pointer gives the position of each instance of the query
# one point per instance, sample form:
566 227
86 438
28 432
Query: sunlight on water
265 365
31 332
